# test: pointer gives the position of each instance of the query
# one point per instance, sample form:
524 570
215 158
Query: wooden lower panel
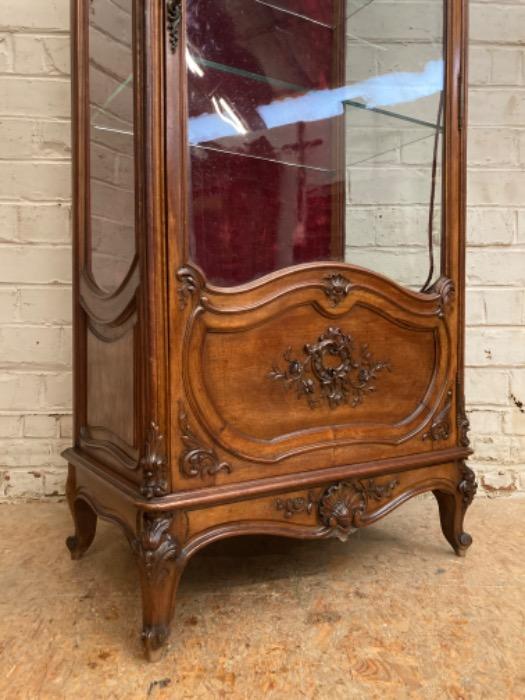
265 406
109 435
283 376
366 498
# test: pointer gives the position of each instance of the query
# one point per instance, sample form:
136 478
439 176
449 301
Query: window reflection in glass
111 141
315 134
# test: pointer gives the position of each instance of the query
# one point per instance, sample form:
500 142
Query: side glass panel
315 133
112 178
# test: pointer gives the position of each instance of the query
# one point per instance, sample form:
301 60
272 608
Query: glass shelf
394 115
320 20
278 161
283 85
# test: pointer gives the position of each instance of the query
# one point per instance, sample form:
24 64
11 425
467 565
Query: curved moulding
322 357
114 309
332 510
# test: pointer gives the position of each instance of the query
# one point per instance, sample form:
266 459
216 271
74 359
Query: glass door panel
315 134
112 166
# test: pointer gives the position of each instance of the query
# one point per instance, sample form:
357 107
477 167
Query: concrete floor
390 614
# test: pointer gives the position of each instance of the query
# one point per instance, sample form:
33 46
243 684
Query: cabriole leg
452 508
84 519
160 569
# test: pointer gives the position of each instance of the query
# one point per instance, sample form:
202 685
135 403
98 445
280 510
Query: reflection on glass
111 141
315 133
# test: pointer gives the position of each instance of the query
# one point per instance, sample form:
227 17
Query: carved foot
153 640
465 540
157 551
76 548
452 509
84 519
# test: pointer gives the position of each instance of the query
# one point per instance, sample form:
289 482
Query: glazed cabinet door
313 245
107 226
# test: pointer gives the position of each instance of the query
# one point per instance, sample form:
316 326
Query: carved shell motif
343 506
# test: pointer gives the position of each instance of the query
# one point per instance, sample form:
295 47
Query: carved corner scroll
154 464
155 547
189 285
446 289
342 506
197 460
173 19
468 485
440 428
337 288
346 382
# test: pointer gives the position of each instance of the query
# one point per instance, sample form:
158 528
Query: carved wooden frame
188 479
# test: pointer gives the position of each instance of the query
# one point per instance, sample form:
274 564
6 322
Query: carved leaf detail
468 485
337 288
197 460
156 547
440 428
173 18
346 381
462 420
154 464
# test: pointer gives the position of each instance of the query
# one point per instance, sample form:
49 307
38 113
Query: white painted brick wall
35 313
35 254
496 237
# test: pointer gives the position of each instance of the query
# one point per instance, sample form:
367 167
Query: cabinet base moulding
163 535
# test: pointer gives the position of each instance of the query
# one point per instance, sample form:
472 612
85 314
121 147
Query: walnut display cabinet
269 203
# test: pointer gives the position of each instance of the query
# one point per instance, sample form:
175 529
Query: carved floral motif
173 19
440 428
294 506
197 460
346 381
377 491
154 465
342 506
337 288
155 547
